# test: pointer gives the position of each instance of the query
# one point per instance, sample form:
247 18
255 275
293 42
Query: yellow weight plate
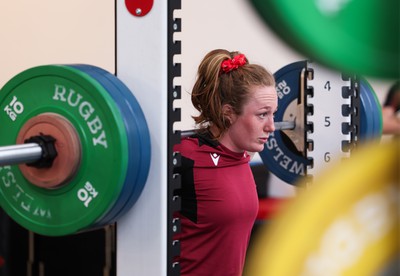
346 223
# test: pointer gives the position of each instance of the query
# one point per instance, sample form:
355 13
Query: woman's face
250 130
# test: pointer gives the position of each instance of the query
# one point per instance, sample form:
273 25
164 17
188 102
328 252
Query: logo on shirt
215 158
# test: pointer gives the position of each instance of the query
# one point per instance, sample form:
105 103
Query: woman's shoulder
187 145
195 143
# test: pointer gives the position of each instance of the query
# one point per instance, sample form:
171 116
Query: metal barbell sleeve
22 153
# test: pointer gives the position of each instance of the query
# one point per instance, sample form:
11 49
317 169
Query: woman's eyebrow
269 108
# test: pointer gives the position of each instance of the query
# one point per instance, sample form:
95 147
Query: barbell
77 142
35 149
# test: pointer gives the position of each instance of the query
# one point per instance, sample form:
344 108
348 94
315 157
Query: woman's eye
267 114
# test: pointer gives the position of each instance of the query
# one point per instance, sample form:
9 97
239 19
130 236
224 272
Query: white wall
48 31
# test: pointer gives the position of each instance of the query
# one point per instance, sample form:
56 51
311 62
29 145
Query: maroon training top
219 207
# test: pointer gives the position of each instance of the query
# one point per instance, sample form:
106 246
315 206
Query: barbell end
22 153
285 125
37 151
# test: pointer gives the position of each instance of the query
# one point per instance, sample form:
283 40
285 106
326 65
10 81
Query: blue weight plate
138 141
371 112
132 170
279 155
282 158
140 153
145 146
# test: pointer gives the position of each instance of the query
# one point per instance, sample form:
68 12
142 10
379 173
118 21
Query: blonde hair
214 88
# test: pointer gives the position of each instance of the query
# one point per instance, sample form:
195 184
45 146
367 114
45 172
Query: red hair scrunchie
234 63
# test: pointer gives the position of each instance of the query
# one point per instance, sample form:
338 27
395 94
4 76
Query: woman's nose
270 125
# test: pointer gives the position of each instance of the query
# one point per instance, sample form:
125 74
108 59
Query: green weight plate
358 36
96 186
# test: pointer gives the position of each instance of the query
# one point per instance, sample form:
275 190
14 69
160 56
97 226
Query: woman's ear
228 113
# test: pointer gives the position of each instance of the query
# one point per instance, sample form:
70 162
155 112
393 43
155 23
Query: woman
391 111
236 101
